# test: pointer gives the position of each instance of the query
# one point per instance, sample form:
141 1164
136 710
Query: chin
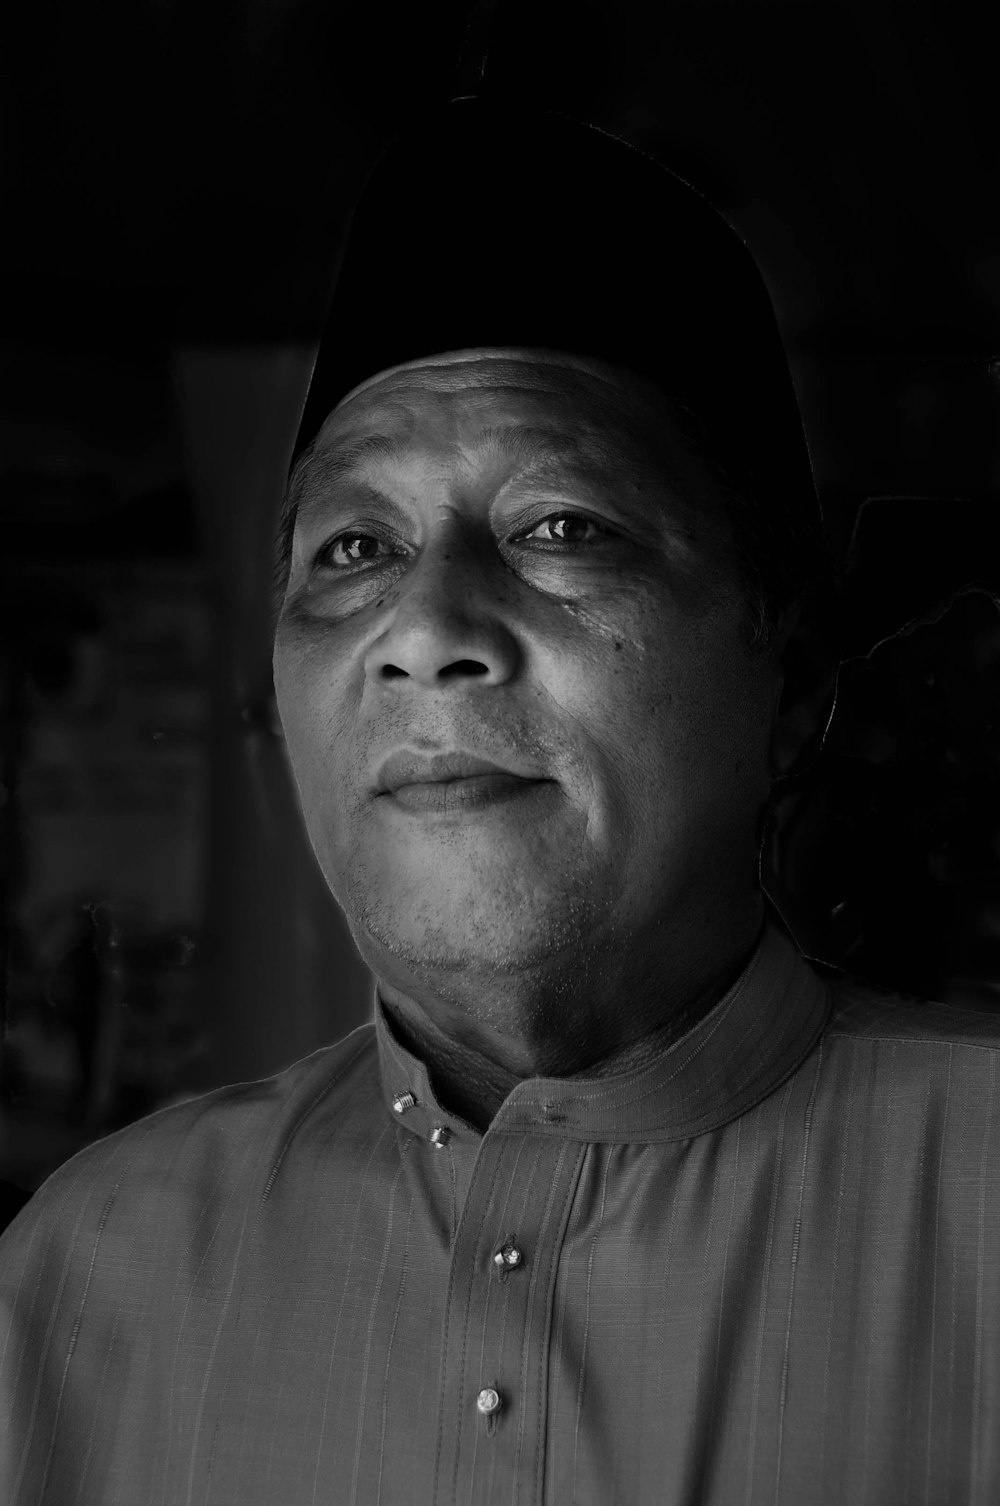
459 930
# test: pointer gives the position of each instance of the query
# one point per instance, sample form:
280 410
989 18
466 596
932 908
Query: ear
806 646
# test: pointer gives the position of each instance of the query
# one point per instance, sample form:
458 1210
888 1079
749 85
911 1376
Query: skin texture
439 598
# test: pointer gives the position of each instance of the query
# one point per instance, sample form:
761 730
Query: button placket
493 1337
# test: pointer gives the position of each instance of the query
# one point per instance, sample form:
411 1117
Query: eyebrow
530 445
330 467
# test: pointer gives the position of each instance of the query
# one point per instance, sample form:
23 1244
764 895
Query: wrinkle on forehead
491 370
608 413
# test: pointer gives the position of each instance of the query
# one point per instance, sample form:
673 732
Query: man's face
508 554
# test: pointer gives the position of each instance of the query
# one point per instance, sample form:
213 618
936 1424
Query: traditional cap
493 225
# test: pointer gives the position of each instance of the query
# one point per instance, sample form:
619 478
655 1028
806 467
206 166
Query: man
619 1199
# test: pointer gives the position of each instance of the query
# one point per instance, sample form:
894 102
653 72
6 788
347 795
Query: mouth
463 794
448 783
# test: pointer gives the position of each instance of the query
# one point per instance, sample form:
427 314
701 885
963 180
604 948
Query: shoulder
184 1157
866 1011
913 1083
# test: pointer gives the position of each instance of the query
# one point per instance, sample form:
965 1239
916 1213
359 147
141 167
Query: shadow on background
168 929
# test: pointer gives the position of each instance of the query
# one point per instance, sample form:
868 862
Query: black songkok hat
492 225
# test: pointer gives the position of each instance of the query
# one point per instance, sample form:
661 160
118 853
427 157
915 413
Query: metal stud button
440 1135
488 1401
402 1102
507 1258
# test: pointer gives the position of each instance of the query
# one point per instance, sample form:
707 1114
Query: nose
446 623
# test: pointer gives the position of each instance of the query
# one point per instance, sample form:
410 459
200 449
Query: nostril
464 667
459 667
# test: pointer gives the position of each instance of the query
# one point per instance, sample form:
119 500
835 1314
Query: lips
406 768
448 783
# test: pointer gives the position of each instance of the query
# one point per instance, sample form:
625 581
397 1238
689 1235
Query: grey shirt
763 1269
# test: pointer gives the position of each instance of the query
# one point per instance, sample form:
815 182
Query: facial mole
596 625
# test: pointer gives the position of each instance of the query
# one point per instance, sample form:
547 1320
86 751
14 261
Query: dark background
177 183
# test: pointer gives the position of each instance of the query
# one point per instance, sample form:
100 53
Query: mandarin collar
732 1058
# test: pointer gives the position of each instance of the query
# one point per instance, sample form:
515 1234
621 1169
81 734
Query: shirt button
507 1258
488 1401
440 1135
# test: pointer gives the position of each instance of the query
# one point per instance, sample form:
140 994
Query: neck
617 1020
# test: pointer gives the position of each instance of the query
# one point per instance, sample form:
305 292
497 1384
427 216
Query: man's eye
349 549
567 528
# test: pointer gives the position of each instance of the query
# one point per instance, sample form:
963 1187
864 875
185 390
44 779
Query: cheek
676 709
721 713
311 698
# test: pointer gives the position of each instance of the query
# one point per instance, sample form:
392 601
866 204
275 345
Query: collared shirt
763 1269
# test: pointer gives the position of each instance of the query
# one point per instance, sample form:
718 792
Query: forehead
448 398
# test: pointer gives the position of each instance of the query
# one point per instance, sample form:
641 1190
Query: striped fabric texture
762 1270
